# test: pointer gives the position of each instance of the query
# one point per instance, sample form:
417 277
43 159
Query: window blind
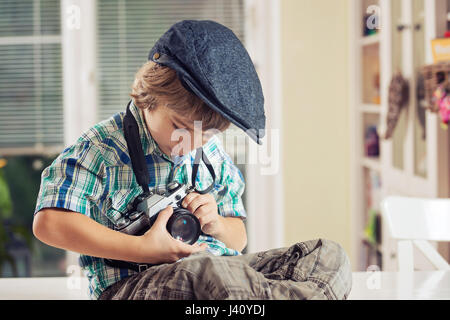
128 29
31 108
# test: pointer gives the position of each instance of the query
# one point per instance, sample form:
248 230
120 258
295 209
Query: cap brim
252 133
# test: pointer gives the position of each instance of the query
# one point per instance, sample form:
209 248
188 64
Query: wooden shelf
371 163
370 108
370 40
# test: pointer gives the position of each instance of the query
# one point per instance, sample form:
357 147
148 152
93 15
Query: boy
198 70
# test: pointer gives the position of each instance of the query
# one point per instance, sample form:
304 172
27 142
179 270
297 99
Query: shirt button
156 56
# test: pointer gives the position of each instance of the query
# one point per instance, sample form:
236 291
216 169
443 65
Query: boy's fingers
199 248
188 248
200 245
189 198
164 216
197 202
202 214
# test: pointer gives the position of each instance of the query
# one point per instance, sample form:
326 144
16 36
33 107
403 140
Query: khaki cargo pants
315 269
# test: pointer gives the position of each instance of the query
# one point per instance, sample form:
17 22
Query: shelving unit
414 161
366 113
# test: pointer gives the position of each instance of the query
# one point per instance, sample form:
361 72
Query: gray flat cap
212 63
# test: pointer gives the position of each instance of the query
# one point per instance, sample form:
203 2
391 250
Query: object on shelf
372 230
372 240
373 255
441 101
373 189
444 111
376 83
370 63
434 76
441 49
421 104
398 98
371 142
370 23
439 94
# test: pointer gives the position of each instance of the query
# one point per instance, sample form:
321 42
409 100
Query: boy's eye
173 124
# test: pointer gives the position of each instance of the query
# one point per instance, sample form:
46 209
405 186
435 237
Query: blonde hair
155 85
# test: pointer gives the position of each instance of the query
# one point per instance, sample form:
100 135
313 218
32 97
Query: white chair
415 221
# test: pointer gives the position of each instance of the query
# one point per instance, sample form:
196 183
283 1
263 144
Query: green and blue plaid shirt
94 177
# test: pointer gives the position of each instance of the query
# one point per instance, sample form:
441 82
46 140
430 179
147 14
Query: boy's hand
204 207
158 246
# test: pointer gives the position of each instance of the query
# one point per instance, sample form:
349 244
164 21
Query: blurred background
354 103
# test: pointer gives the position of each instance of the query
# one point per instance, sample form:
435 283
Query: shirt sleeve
229 197
74 181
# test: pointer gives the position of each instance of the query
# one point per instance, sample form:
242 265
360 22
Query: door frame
264 192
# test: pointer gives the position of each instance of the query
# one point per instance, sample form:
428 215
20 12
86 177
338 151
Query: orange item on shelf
441 49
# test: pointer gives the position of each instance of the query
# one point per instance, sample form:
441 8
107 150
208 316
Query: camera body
182 225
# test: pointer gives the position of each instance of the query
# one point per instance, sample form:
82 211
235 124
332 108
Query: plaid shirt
94 177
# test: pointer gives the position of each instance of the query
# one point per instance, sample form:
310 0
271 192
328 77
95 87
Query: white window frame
78 24
79 60
264 193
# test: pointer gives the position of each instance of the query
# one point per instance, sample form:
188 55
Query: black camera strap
138 163
200 153
131 133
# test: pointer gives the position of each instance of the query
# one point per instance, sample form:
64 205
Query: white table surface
61 288
366 286
427 285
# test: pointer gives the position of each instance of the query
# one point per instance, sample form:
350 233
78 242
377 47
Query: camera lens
184 226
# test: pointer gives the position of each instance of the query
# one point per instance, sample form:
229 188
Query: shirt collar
149 145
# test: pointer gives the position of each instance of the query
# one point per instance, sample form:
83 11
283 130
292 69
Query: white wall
315 120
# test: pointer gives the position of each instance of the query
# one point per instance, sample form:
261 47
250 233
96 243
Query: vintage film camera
182 225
